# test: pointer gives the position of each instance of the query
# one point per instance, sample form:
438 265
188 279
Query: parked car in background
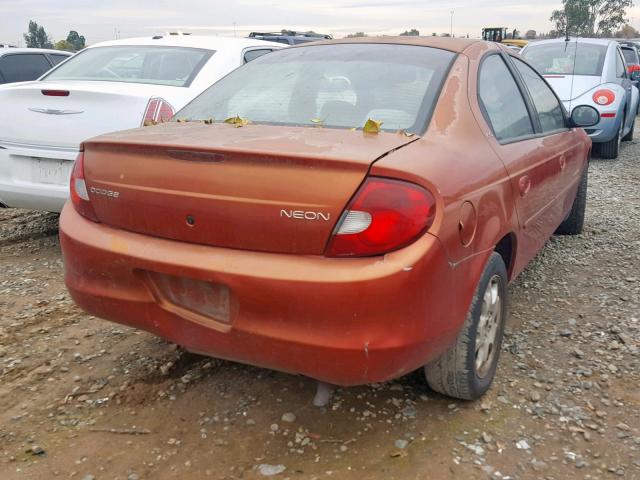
106 87
290 37
589 71
632 59
339 228
24 64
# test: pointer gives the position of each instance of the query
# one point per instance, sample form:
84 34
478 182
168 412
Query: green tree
76 40
64 45
588 18
410 33
357 35
36 37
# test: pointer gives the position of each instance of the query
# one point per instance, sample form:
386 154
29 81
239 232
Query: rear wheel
467 369
572 225
611 149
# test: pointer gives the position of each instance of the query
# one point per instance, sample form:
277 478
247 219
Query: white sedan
109 86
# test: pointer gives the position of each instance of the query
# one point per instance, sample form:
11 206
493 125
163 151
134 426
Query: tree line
37 37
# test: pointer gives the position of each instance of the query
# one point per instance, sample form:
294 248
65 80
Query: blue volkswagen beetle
590 71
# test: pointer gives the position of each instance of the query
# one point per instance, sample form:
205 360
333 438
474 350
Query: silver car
589 71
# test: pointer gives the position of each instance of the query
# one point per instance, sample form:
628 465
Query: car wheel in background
611 149
467 369
572 225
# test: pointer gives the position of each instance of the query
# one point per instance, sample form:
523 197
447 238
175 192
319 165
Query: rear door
533 158
560 143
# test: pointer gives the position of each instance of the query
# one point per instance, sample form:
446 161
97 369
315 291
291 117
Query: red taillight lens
604 97
633 68
385 215
79 194
158 111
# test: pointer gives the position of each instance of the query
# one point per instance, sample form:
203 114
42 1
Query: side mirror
584 116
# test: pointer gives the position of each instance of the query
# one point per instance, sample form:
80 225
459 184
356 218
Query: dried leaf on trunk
238 121
372 126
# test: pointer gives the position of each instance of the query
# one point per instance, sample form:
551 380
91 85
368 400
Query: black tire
629 136
611 149
456 373
573 224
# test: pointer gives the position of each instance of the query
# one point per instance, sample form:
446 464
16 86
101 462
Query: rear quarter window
56 59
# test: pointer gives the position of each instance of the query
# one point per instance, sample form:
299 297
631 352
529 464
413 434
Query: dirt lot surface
87 399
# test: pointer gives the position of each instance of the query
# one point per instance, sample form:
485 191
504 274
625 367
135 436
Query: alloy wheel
487 329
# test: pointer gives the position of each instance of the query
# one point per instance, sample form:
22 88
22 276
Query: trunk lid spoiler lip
296 143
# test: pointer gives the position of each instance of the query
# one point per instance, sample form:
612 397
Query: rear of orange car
271 243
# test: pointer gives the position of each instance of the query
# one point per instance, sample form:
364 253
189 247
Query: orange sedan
357 216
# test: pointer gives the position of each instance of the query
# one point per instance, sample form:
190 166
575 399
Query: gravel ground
83 398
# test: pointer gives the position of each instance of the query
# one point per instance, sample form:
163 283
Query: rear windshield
567 58
173 66
339 86
630 56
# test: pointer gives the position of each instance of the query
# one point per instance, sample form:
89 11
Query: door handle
524 185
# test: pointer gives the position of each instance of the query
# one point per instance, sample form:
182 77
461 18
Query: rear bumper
605 130
33 178
344 321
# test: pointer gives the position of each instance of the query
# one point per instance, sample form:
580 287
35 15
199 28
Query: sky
100 20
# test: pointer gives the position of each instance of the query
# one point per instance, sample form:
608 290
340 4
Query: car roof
457 45
4 51
594 41
193 41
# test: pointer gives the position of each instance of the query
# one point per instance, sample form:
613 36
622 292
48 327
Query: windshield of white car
335 86
156 65
567 58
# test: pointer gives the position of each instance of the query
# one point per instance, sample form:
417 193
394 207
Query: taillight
55 93
158 111
385 215
79 193
633 68
604 97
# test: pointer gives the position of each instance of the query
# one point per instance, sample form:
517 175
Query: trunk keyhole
191 221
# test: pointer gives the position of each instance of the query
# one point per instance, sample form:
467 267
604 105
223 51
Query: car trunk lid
259 187
42 114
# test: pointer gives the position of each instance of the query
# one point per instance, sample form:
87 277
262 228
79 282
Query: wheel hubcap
487 330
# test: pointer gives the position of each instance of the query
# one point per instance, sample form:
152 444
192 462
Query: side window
502 101
23 67
253 54
546 103
56 59
619 65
